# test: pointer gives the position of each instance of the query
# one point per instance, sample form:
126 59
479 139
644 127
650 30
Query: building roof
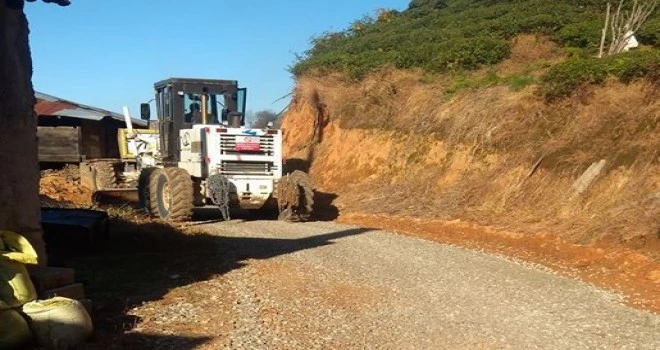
59 2
55 106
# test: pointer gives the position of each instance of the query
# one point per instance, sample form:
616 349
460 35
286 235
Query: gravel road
325 285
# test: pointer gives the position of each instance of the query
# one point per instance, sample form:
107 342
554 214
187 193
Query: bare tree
624 24
262 118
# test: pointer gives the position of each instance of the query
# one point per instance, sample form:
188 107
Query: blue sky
109 53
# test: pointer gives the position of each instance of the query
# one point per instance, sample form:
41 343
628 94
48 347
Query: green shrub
580 35
564 78
427 4
649 33
467 54
441 35
518 82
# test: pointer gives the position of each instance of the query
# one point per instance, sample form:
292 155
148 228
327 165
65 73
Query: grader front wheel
295 197
143 188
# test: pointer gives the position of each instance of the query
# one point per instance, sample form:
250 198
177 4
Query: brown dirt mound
62 188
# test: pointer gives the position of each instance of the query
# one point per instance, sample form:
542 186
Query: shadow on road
142 262
324 210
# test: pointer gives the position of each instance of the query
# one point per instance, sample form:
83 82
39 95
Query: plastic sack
59 323
16 287
16 248
14 330
3 306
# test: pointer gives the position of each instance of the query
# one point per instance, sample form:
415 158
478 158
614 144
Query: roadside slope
492 156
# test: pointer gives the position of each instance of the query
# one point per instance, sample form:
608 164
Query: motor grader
200 153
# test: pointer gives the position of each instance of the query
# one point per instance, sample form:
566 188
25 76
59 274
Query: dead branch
604 31
536 165
625 23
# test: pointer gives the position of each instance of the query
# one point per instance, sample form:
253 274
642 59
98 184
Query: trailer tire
171 194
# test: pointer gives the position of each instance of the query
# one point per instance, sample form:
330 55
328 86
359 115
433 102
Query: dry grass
529 51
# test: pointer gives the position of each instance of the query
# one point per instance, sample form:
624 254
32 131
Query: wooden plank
59 158
59 144
92 139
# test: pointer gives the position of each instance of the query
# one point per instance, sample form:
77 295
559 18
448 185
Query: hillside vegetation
495 112
450 37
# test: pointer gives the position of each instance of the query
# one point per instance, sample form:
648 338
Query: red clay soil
628 271
63 188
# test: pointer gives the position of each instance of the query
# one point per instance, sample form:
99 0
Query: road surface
329 286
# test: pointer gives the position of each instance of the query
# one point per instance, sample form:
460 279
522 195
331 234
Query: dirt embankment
583 171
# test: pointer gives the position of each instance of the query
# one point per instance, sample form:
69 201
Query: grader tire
306 201
296 196
154 208
286 215
198 197
171 194
143 187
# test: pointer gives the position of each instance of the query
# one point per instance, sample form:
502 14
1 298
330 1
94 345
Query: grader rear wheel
295 196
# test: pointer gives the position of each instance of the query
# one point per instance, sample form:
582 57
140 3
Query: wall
19 172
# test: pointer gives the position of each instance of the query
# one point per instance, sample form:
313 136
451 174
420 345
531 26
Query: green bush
441 35
580 35
564 78
518 82
427 4
649 33
467 54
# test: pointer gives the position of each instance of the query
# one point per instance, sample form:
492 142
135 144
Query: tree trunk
19 167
